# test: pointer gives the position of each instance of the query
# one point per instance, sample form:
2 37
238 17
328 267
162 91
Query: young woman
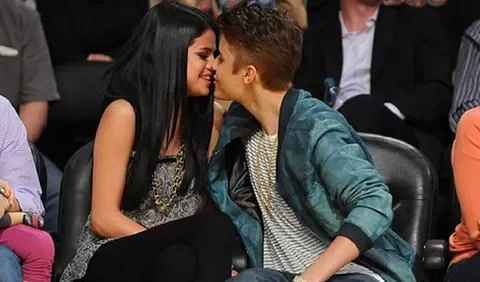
150 159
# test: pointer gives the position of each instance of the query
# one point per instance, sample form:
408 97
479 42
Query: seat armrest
435 254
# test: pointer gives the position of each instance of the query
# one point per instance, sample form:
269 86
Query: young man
294 177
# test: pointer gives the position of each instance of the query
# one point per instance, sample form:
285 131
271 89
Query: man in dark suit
391 64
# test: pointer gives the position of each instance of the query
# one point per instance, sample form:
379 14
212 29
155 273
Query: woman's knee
176 263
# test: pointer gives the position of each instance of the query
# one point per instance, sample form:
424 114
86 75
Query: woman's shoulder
121 111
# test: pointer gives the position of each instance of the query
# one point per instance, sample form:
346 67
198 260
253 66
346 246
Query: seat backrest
413 184
408 174
41 169
75 201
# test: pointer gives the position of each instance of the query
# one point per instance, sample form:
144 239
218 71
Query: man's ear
249 74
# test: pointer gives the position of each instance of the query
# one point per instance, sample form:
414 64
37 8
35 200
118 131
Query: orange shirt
465 241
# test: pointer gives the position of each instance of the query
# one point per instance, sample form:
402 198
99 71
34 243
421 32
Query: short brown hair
265 38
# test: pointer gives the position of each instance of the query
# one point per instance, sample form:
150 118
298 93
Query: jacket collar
239 122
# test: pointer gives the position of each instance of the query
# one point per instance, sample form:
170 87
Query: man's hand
8 193
4 205
99 58
234 272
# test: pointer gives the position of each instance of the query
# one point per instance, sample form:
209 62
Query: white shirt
357 63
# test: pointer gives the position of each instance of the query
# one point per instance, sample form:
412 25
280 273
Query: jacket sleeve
428 101
343 167
466 164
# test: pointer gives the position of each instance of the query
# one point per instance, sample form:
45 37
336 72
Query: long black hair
152 76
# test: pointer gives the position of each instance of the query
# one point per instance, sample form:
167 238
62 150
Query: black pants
367 114
467 270
197 248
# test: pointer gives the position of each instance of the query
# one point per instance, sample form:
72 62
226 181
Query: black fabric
466 270
286 110
411 62
456 16
413 184
76 28
210 236
356 235
77 114
366 113
41 169
176 263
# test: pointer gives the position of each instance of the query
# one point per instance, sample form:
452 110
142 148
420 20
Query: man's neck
265 106
355 13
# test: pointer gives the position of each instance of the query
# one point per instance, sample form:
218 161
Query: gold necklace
266 202
177 182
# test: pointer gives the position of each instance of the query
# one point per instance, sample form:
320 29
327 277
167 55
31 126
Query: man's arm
428 101
467 78
17 167
34 117
38 84
351 179
340 252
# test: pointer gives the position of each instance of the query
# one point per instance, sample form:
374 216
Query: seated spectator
391 64
19 197
465 241
291 173
150 160
27 81
467 75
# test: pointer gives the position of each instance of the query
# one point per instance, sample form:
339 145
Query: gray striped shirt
288 245
467 80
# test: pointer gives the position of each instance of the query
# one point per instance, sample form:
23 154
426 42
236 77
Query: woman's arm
111 156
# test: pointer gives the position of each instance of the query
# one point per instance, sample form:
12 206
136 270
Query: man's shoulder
7 111
318 118
4 104
312 109
414 16
17 13
473 31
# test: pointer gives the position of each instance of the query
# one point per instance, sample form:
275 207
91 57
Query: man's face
228 85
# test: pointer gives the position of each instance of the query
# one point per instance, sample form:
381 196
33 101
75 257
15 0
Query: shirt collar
370 23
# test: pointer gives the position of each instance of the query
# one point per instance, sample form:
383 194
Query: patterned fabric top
288 245
146 215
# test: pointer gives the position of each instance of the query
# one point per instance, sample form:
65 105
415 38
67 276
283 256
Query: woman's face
200 64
